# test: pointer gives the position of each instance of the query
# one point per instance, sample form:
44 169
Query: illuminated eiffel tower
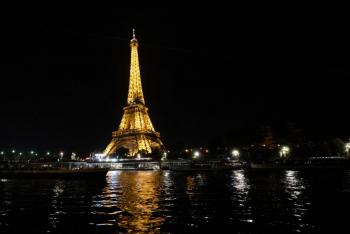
136 132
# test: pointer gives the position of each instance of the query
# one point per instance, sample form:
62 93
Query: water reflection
138 199
240 182
190 188
56 204
240 196
294 188
176 202
5 201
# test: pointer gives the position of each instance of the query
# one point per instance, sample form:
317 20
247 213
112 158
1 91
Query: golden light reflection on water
295 187
139 197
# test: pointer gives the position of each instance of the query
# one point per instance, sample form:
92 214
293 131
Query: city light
138 156
347 147
284 151
196 154
164 156
2 152
61 154
31 152
20 153
235 153
13 151
47 153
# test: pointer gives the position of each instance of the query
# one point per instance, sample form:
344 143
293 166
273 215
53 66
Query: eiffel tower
136 132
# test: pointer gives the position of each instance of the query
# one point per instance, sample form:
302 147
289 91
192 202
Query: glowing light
138 156
135 128
284 151
196 154
347 147
47 153
235 153
61 154
73 156
13 151
164 156
240 182
2 152
31 152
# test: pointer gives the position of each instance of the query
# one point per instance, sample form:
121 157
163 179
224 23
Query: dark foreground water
174 202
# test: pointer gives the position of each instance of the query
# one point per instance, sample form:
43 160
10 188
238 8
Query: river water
180 202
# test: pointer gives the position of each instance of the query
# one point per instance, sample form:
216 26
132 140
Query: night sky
206 73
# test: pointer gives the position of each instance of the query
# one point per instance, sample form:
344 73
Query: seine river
178 202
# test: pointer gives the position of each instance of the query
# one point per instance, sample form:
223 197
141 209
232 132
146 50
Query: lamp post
13 154
61 155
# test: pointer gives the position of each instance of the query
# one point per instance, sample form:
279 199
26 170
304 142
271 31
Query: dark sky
206 73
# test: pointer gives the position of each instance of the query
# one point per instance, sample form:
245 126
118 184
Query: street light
13 151
235 153
47 153
347 147
32 152
164 156
61 156
196 154
284 151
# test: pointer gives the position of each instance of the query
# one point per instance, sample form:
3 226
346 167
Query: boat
67 170
187 165
138 165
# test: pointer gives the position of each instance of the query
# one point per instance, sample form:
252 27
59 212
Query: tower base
134 143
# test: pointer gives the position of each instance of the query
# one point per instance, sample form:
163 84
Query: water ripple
175 202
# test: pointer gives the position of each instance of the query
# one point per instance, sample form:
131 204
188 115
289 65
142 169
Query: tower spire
133 34
135 94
